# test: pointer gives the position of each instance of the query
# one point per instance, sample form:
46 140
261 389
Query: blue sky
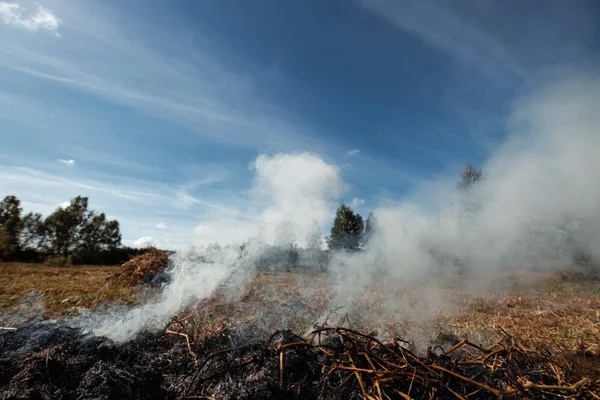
155 109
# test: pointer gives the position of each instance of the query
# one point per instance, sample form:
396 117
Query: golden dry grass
65 290
553 313
141 268
557 315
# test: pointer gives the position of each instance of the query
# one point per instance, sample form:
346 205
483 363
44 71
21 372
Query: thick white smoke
291 191
291 194
537 206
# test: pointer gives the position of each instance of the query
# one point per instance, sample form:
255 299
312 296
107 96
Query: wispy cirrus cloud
19 16
73 98
503 42
502 47
443 27
186 86
170 78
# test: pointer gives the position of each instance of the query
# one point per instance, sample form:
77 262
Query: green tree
10 227
98 235
33 233
347 229
75 230
64 226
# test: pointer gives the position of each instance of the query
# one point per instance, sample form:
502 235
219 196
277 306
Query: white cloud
13 14
192 89
68 163
162 225
64 204
144 241
353 152
357 202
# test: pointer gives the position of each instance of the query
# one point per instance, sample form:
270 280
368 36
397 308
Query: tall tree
10 227
315 255
75 230
97 235
33 234
284 234
64 226
347 229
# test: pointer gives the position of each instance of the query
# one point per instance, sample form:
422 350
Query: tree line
71 234
75 234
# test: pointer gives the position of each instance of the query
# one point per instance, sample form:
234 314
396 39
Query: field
63 291
550 312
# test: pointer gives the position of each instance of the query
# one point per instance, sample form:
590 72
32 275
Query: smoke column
537 206
294 191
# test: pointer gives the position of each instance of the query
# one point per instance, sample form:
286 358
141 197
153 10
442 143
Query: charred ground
233 354
48 360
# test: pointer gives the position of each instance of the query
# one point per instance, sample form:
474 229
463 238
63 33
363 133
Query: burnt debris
46 360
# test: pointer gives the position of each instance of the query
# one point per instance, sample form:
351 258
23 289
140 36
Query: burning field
536 339
53 361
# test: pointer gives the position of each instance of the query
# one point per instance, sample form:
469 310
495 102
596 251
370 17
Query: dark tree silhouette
347 229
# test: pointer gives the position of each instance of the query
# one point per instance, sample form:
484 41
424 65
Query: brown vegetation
142 268
65 290
554 314
557 315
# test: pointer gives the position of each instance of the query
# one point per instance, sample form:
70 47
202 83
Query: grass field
64 290
553 313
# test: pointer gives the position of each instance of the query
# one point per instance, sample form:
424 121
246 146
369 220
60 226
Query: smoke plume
291 193
536 209
537 206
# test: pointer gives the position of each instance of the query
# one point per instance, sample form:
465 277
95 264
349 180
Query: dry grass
290 300
554 314
142 268
65 290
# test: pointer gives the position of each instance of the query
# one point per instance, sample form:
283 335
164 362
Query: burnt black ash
45 360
